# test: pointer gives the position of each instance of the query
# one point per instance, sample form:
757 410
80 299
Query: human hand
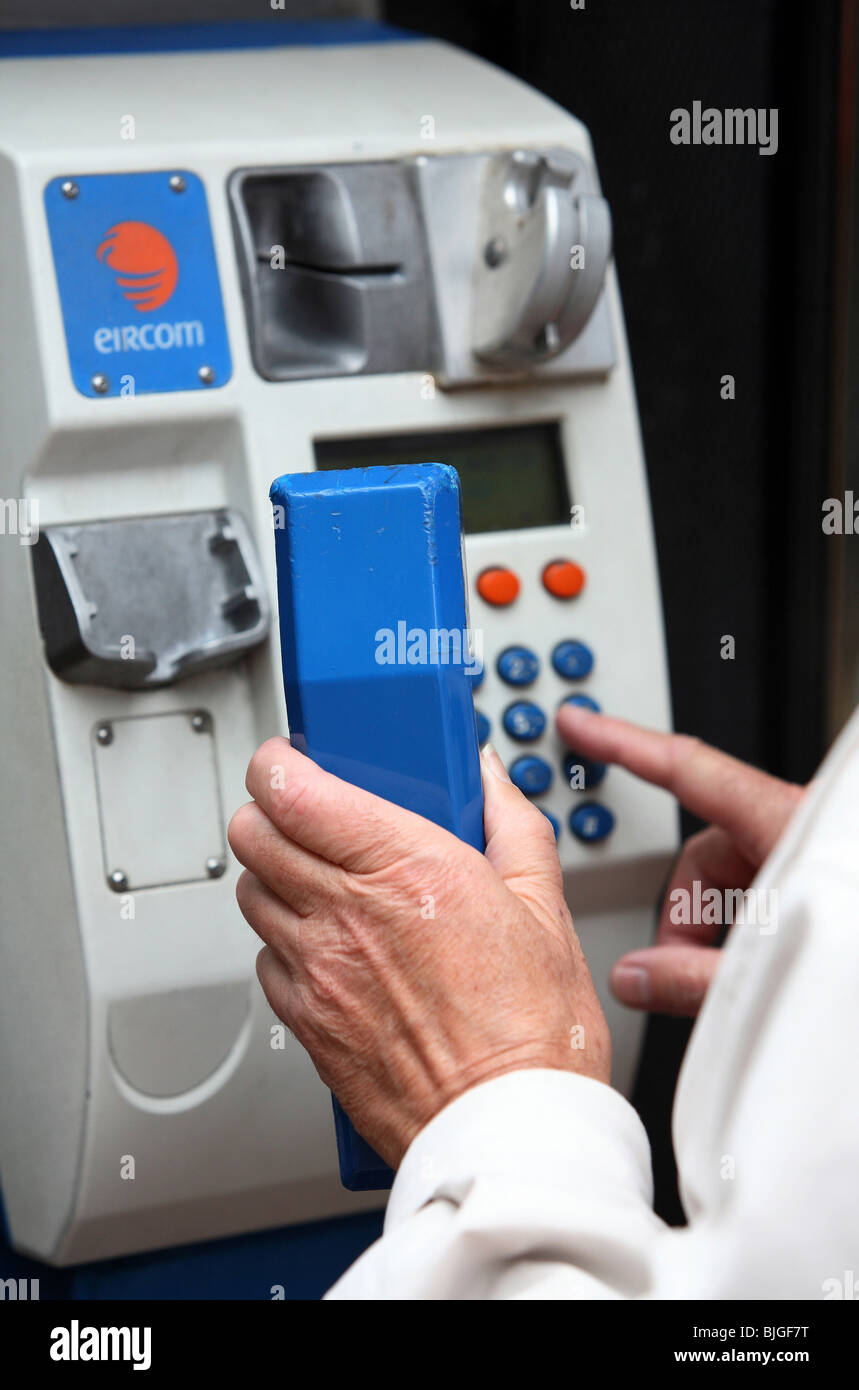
410 966
748 810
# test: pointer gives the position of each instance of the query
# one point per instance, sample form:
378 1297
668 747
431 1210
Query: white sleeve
537 1184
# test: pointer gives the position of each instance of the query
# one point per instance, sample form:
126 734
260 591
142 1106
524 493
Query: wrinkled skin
748 810
402 1012
412 968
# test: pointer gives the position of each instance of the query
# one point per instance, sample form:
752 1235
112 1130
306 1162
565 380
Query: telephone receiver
378 658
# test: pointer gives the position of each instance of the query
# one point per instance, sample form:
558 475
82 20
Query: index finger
749 804
339 822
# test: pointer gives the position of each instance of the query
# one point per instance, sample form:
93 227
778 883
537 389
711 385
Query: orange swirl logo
145 262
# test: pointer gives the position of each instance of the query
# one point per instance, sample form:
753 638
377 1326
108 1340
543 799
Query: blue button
531 775
591 822
484 728
475 675
524 721
553 822
518 665
584 700
592 773
573 660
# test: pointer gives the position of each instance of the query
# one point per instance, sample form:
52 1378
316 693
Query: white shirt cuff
554 1129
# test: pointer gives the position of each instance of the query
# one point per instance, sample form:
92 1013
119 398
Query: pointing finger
748 803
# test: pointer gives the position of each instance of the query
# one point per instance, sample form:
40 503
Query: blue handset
377 657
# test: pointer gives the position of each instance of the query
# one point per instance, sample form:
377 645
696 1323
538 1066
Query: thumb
665 979
520 841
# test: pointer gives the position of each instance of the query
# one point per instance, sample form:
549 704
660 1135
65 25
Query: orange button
564 579
498 586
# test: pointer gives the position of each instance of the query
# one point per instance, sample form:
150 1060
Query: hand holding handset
377 658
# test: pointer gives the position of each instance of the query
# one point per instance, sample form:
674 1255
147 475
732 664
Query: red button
564 579
498 586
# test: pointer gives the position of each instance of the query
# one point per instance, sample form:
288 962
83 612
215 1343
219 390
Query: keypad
591 822
573 660
532 775
585 701
498 586
518 665
526 721
563 578
582 774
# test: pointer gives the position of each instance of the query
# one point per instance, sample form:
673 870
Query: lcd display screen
511 478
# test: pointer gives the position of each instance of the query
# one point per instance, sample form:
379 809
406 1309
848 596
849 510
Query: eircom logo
146 264
147 272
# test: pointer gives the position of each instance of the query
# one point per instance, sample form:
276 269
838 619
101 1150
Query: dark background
725 259
729 262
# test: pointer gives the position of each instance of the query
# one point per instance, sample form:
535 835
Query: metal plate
143 601
159 802
138 283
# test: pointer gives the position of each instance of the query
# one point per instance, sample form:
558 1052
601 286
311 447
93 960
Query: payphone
219 267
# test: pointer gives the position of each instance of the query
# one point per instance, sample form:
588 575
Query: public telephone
307 258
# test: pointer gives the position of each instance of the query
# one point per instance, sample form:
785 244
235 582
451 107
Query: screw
215 866
100 383
177 183
206 375
118 881
548 339
200 722
69 189
495 252
104 734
